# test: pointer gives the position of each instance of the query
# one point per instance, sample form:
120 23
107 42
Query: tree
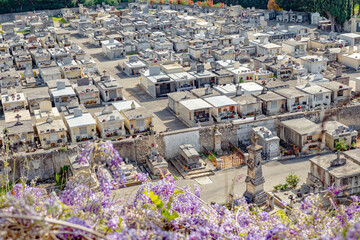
272 5
298 5
337 11
356 4
261 4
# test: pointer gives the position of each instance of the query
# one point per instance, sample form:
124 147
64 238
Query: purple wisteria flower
335 190
75 233
141 177
141 218
21 190
278 232
197 190
263 216
103 177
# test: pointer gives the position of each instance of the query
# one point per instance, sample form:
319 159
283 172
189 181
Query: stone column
255 180
218 163
217 140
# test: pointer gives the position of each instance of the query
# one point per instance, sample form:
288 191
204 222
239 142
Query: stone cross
18 117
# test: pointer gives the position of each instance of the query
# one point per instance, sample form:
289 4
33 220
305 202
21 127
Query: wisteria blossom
161 210
143 217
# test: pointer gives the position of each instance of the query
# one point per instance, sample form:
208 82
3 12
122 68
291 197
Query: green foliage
211 158
24 31
292 180
88 3
262 4
338 11
281 186
5 189
299 5
63 149
58 19
62 177
165 211
341 145
8 6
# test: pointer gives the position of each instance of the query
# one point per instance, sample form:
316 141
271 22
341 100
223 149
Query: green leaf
168 205
178 191
161 205
57 178
153 197
165 213
174 215
120 221
157 202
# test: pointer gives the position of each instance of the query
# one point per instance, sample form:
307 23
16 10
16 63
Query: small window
309 137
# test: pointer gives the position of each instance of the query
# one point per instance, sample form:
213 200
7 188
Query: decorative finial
133 106
254 139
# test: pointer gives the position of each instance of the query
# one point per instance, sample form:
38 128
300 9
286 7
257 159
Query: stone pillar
217 140
218 163
322 113
255 180
271 202
291 205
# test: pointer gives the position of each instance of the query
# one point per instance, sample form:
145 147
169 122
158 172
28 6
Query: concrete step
204 174
199 172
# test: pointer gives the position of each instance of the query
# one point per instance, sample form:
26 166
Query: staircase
202 172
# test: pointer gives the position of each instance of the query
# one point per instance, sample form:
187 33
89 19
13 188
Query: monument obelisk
255 180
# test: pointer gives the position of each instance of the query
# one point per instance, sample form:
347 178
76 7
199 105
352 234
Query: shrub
281 187
292 180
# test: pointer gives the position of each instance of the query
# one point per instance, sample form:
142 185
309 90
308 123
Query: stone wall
136 149
244 131
126 148
348 115
43 164
173 140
